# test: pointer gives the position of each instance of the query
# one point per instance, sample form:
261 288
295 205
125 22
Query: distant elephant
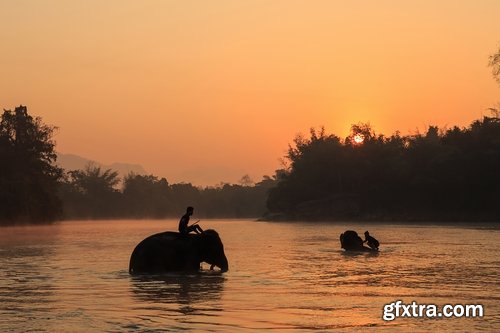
350 241
172 251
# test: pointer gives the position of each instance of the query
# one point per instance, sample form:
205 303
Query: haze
207 91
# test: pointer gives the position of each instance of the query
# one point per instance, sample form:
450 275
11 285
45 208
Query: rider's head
367 233
189 210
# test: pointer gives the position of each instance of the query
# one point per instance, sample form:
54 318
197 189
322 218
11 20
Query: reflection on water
180 297
182 289
26 280
73 277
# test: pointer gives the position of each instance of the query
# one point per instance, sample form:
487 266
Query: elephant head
212 249
350 241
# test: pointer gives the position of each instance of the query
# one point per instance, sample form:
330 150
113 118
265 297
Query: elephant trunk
223 264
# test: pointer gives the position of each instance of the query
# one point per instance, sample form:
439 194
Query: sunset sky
207 91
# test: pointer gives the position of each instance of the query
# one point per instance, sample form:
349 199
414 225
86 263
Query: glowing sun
359 138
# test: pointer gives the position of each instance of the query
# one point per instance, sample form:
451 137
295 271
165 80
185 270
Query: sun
359 138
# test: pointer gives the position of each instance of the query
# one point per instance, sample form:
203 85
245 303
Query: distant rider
183 223
372 242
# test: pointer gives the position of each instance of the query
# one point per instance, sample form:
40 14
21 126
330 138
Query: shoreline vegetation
440 175
446 175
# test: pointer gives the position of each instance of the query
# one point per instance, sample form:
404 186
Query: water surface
73 277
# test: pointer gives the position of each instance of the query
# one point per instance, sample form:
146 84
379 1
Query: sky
208 91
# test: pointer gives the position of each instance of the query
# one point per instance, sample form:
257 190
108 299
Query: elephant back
166 251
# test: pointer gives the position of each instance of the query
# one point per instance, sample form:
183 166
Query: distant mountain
75 162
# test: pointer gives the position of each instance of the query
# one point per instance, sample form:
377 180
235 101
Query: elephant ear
210 244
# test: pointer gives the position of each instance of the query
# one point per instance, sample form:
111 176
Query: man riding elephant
173 252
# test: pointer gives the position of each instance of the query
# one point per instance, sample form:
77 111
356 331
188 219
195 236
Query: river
73 277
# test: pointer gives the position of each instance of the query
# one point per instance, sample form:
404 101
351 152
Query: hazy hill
75 162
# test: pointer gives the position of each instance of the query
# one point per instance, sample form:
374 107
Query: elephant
175 252
350 241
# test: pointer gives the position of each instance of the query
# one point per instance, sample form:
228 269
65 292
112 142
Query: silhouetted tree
494 63
146 196
442 174
246 180
231 200
28 177
91 193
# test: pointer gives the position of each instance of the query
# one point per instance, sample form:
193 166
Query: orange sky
207 91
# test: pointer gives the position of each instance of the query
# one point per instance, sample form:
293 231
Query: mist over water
73 277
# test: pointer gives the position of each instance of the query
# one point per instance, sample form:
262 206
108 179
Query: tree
494 63
93 181
28 176
91 193
246 180
146 196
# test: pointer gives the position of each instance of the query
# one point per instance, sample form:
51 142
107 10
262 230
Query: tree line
442 174
96 193
34 190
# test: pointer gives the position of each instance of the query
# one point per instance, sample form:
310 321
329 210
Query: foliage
28 177
442 174
90 192
93 193
494 63
146 196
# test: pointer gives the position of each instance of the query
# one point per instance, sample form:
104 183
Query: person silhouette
184 228
372 242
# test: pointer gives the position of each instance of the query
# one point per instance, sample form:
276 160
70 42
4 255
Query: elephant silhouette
350 241
175 252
